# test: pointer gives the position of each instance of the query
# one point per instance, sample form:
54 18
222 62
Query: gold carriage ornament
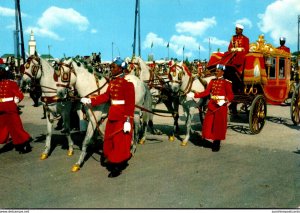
267 49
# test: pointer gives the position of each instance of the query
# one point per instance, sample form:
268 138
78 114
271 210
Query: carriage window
281 68
272 71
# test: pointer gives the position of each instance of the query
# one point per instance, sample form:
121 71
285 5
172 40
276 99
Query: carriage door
276 88
283 77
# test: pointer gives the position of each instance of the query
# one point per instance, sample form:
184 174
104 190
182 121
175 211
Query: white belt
216 97
117 102
6 99
237 49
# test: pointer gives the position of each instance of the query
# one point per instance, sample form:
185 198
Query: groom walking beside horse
119 127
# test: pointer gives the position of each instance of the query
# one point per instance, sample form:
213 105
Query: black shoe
44 117
114 174
24 148
216 146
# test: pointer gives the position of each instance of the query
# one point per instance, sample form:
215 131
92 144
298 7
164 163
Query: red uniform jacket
215 121
118 89
117 144
284 48
239 41
10 122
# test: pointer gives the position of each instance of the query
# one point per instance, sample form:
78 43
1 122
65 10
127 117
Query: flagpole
209 49
168 51
183 53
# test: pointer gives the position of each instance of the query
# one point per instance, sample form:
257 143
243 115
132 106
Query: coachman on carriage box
10 121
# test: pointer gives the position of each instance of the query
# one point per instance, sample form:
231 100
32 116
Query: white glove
190 95
16 100
86 100
127 127
221 102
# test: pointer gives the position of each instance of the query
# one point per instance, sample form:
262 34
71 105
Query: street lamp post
49 46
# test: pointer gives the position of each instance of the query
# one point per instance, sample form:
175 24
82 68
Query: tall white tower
31 44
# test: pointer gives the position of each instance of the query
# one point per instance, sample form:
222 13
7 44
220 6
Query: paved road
250 171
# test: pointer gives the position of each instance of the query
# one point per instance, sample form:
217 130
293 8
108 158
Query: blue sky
80 27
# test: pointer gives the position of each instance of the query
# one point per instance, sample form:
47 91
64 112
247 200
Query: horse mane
79 61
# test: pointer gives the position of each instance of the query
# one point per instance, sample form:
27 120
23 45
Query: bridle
33 74
34 68
173 71
66 78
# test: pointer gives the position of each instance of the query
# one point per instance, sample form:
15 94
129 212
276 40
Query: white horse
39 70
87 85
182 82
160 89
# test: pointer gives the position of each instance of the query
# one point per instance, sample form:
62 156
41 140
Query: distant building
31 44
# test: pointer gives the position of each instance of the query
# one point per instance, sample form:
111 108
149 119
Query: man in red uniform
119 127
237 49
215 121
282 45
10 122
239 42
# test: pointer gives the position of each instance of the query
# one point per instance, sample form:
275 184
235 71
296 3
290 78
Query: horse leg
67 127
137 129
145 122
85 144
88 137
188 124
47 149
174 108
153 130
176 114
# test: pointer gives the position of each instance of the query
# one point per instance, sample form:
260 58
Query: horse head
66 78
32 69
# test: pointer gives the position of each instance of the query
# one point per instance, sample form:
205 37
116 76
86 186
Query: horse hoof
70 152
183 143
75 168
141 141
171 138
44 156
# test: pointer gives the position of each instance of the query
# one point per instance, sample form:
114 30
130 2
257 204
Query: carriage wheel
295 105
257 116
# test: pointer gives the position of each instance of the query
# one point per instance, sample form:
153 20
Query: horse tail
147 104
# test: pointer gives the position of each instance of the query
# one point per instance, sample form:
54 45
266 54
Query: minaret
31 44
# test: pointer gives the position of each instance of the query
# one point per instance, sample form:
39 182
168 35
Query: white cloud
152 37
280 19
196 28
93 31
216 41
244 21
43 32
9 12
177 42
55 17
237 6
